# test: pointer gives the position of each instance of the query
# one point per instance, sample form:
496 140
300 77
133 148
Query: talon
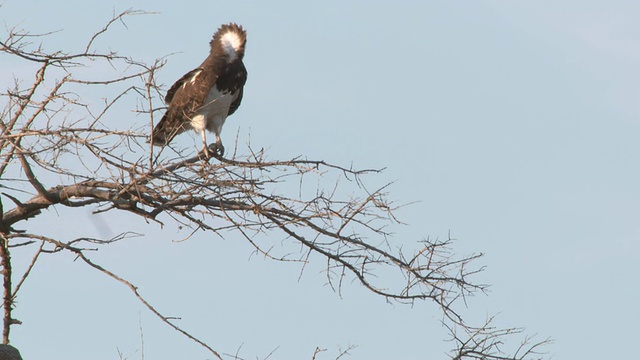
218 149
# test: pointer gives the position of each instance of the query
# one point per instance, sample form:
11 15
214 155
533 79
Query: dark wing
240 78
185 98
178 84
236 103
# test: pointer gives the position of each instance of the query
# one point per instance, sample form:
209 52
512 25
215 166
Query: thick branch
7 305
56 195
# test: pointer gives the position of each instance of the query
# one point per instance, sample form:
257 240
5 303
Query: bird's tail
166 130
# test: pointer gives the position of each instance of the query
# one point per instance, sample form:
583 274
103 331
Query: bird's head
231 38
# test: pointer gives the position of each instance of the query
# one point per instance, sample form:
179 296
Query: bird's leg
204 143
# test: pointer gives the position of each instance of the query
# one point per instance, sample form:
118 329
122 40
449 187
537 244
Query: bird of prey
204 97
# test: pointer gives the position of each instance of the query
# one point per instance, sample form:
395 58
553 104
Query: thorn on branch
18 203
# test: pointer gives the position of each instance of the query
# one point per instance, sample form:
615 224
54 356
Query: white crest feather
231 43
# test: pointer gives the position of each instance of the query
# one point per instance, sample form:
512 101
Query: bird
8 352
204 97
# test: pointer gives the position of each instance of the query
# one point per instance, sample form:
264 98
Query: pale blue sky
514 124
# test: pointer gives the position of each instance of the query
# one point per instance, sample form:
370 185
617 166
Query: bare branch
80 253
486 343
28 271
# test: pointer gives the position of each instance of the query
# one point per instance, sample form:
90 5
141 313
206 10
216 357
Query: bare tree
57 149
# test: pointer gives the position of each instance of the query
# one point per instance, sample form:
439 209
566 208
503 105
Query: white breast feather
213 113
